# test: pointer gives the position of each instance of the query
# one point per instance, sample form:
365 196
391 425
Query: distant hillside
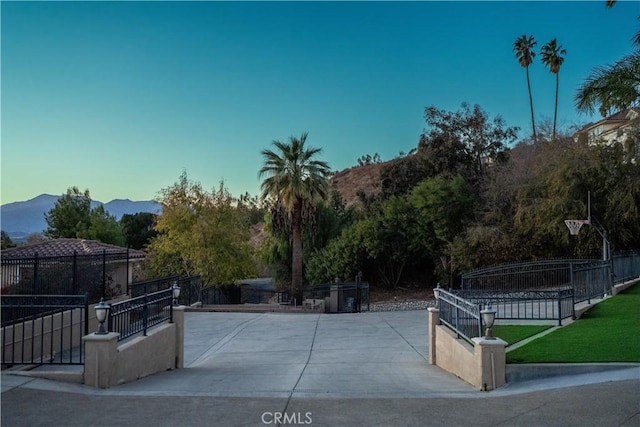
359 178
19 219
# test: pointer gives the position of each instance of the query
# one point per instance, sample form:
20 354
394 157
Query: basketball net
574 225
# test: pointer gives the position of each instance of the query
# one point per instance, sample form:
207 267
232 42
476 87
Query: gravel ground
402 305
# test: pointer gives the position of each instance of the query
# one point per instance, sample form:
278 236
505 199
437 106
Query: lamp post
102 310
488 317
176 292
436 291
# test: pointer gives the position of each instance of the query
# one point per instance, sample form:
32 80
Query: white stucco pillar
434 320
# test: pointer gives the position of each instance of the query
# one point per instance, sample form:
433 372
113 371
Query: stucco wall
456 356
144 356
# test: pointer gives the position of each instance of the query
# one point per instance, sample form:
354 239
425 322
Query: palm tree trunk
296 247
555 111
533 122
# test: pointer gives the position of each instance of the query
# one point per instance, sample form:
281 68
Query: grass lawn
608 332
515 333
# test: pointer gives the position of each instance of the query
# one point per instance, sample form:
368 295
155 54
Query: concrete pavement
319 369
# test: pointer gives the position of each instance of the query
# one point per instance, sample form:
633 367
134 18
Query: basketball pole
601 230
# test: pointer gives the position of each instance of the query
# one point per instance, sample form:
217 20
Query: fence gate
43 329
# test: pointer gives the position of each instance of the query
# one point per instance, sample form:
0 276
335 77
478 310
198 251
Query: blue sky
121 97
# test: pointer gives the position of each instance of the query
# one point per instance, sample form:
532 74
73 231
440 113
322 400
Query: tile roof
620 116
62 247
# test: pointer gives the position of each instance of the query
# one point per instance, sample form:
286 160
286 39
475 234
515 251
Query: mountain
350 181
19 219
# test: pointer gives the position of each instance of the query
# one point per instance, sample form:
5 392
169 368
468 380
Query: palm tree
611 88
294 179
551 57
523 47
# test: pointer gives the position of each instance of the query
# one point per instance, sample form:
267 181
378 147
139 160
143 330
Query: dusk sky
121 97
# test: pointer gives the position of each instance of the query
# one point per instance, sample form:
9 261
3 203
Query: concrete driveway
320 369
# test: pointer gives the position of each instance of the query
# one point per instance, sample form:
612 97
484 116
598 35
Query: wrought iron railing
625 266
350 297
99 276
461 315
137 315
526 305
43 329
524 276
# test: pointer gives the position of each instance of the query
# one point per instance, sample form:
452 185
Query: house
622 127
71 266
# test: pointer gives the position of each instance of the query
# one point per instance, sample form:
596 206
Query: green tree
104 227
295 179
465 140
200 233
138 229
523 47
71 215
552 57
6 240
611 88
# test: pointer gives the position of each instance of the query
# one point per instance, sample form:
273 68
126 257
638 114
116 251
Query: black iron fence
591 280
98 276
43 329
461 315
138 314
345 297
142 287
625 266
555 304
190 287
547 289
250 294
524 276
221 295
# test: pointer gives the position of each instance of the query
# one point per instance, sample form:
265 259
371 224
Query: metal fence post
127 272
480 318
104 273
74 279
35 274
145 313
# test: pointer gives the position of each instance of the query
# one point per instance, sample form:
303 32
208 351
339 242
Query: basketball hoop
574 225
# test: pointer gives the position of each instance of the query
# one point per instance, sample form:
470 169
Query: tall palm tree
553 59
296 180
523 48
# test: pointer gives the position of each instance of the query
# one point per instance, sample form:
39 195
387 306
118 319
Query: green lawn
515 333
608 332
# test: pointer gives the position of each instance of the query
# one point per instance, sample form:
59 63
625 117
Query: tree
138 229
71 215
295 179
200 233
104 227
523 47
6 240
612 87
464 142
552 57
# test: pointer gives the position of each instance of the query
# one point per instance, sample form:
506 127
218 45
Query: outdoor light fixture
101 314
436 291
488 317
176 292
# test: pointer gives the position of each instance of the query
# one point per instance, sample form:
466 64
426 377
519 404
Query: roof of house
62 247
619 117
